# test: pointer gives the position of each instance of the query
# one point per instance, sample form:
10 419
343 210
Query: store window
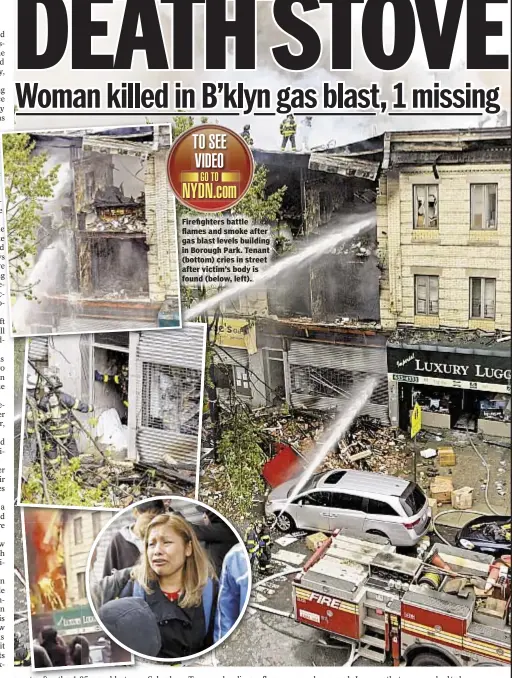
484 206
483 298
427 294
80 580
241 380
426 206
78 531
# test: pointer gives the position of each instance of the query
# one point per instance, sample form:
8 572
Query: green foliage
65 487
240 453
256 204
27 187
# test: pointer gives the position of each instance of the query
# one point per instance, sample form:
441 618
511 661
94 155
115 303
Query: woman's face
167 551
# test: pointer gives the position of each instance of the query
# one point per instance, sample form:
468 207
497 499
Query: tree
27 187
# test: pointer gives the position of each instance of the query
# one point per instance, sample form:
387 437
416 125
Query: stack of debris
371 446
127 223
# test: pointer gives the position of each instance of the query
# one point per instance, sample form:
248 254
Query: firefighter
21 652
57 418
246 135
258 544
288 130
120 380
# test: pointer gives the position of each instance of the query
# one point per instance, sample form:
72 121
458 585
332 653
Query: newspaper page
255 338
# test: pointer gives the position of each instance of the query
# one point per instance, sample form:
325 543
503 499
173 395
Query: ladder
372 643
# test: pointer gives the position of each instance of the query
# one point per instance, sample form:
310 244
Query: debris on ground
428 453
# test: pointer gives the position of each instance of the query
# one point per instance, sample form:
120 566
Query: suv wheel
285 522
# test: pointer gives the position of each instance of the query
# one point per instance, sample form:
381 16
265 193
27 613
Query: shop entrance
452 408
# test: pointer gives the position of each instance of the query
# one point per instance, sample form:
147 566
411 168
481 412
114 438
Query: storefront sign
75 618
455 370
236 333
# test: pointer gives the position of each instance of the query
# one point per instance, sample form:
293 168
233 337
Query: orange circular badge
210 168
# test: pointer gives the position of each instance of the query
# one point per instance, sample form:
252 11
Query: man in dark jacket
125 548
217 537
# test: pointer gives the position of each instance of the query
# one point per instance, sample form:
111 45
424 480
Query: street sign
415 420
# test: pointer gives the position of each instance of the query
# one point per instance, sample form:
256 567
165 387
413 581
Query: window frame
428 311
81 585
242 390
483 284
427 187
78 531
485 186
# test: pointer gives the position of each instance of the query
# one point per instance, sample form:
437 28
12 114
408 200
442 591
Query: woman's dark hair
49 634
154 506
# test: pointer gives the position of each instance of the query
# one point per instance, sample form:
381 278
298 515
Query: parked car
486 534
358 501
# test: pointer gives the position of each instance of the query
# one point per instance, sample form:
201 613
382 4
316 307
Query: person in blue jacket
233 591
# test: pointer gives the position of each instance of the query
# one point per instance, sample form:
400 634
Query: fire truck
446 607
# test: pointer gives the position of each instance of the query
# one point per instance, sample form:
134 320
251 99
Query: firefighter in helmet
120 380
288 130
58 420
246 135
21 652
258 544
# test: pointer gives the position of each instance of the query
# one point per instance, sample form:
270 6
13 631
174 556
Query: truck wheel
429 659
285 523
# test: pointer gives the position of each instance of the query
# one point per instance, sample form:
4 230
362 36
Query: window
316 499
380 508
334 477
484 206
413 500
349 502
483 298
426 206
241 380
78 531
427 294
80 580
96 523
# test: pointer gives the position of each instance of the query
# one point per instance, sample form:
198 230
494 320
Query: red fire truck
449 607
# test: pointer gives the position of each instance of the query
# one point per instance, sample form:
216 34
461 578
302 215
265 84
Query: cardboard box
441 489
313 541
462 498
446 456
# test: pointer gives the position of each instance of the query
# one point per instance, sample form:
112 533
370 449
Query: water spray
338 428
312 251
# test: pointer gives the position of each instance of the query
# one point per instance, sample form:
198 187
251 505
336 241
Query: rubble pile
128 223
371 446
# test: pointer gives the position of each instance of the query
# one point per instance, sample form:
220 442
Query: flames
45 556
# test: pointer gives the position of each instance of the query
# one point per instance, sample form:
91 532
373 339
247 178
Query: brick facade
453 252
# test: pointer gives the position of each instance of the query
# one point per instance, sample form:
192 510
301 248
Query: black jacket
120 554
183 631
218 538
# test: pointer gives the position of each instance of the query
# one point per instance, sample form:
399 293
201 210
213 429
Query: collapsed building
314 333
158 427
107 243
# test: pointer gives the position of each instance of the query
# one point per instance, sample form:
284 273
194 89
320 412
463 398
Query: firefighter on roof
288 130
246 135
55 414
120 380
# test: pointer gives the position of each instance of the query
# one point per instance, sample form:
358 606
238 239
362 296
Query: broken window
483 298
484 206
274 369
78 531
426 206
427 294
241 381
170 398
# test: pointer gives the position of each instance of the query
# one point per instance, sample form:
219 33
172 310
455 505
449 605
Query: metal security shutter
232 356
38 349
361 361
357 359
180 348
177 354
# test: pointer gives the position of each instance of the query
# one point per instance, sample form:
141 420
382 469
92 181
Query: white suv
359 501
